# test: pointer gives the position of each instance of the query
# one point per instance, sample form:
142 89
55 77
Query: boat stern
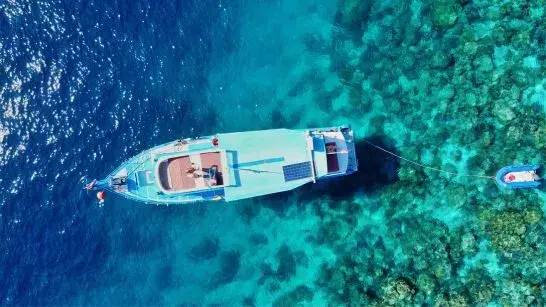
333 151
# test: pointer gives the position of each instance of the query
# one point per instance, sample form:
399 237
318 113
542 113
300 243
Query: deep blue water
98 81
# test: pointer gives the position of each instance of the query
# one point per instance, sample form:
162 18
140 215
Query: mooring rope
429 167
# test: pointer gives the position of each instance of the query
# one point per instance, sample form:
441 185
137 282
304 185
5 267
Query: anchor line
429 167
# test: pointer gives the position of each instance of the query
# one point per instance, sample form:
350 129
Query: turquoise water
457 85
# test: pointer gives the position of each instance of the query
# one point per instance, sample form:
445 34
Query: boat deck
265 162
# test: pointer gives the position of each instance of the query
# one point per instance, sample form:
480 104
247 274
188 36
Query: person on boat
212 173
193 171
180 143
91 185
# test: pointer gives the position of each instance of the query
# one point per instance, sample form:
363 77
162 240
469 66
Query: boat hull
250 164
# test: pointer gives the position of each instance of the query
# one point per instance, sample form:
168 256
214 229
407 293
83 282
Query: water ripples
83 86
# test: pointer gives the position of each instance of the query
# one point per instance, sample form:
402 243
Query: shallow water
454 85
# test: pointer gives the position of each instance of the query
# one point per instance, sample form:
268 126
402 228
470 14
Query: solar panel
297 171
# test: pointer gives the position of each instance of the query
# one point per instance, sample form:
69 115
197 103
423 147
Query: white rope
338 152
429 167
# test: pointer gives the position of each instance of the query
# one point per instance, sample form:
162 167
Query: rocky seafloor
456 85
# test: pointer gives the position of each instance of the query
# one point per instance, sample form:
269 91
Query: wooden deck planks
177 172
211 159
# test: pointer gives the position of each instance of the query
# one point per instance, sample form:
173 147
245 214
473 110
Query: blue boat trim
244 164
499 178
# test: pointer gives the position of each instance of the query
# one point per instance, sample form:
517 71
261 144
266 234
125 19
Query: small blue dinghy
519 177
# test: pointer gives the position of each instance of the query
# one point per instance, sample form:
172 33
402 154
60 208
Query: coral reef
258 239
296 297
248 302
444 13
229 267
205 250
458 86
508 230
287 263
352 12
247 210
396 291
